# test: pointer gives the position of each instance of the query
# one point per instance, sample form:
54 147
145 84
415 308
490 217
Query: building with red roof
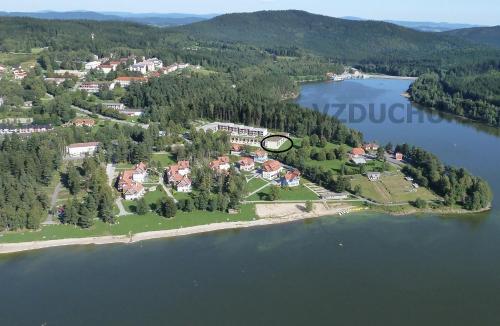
271 169
246 164
291 179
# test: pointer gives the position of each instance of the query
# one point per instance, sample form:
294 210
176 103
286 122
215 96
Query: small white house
81 149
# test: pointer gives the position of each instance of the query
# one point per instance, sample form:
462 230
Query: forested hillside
475 97
480 35
371 44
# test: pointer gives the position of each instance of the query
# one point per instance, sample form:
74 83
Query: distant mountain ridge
174 19
333 37
480 35
422 26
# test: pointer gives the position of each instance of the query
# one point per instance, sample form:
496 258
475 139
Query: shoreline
280 214
14 247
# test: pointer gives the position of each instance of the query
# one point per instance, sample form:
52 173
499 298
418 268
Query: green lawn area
150 197
181 195
299 193
124 166
391 189
131 224
14 59
255 184
165 159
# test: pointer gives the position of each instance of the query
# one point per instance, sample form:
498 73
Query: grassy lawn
14 59
255 184
150 197
391 189
165 159
131 224
296 193
124 166
181 195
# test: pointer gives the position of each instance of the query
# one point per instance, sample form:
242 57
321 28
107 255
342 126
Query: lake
366 269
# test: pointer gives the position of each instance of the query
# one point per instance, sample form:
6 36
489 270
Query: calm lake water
423 270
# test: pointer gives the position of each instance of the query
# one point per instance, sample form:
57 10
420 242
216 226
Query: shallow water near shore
361 269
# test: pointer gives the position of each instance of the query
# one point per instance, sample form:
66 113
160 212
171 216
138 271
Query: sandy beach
269 214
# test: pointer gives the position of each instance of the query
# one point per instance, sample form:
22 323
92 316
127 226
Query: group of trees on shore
473 97
97 198
26 168
456 186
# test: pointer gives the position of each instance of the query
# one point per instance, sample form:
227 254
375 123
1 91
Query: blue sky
484 12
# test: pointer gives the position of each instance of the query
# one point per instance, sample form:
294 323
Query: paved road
51 219
167 191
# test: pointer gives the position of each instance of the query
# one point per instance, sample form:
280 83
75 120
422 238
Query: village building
126 81
246 164
89 87
371 147
28 104
291 179
357 155
236 149
83 122
92 65
56 80
132 112
139 67
271 169
24 129
398 156
81 149
19 74
275 142
239 134
2 101
185 185
130 182
260 156
114 106
357 152
177 176
107 68
373 176
221 164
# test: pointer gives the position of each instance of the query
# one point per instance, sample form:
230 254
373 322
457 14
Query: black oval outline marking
276 151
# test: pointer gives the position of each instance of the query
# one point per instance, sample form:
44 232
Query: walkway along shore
6 248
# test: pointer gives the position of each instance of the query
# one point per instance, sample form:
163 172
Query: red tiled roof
127 184
260 153
184 182
246 161
358 151
291 175
271 166
236 147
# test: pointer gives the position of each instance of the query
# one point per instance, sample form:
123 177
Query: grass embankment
130 224
391 188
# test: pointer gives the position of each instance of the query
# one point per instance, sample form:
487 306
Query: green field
130 224
391 188
14 59
150 197
255 184
165 159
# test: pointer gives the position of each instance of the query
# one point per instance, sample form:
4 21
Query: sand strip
270 214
